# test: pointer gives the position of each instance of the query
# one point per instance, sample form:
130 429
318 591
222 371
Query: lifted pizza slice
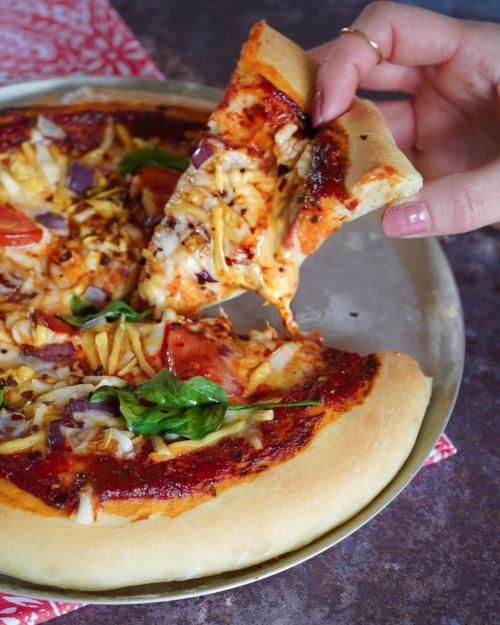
264 190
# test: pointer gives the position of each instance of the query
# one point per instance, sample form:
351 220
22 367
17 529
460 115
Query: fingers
406 36
448 205
401 121
390 77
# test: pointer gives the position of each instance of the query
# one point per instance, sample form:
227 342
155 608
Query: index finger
405 35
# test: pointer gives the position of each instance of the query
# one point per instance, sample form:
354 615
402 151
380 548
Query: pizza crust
378 173
348 463
282 62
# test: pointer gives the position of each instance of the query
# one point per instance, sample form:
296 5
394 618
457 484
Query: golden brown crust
371 151
360 169
349 462
282 62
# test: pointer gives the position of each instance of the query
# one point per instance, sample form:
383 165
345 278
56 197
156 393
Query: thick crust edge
282 62
349 462
378 172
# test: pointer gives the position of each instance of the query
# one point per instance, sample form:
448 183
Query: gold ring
355 31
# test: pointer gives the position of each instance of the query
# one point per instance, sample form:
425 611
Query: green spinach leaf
167 405
84 313
152 157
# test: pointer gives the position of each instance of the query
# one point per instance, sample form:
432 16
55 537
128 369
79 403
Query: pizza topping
85 314
17 229
12 424
201 153
167 405
58 352
96 296
54 221
86 513
152 157
81 178
49 129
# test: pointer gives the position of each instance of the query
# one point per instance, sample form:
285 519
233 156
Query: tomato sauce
57 477
84 129
327 175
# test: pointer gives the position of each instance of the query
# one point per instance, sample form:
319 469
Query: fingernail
406 219
317 111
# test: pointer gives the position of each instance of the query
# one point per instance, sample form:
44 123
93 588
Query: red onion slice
81 406
57 352
55 438
81 178
96 296
202 151
204 277
151 222
52 221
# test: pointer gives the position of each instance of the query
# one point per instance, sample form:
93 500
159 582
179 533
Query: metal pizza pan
362 291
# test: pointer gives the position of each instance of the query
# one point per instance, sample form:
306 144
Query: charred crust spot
363 137
282 170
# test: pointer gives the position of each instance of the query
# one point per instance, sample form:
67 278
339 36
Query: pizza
209 451
264 190
73 216
139 441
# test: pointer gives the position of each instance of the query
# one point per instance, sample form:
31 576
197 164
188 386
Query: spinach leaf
1 396
152 157
84 313
167 405
166 390
274 404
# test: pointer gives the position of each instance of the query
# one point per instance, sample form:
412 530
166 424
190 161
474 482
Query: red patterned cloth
24 611
46 38
444 449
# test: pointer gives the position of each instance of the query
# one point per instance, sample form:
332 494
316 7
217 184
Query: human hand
449 129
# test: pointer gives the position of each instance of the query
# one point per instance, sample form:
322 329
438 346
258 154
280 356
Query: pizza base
347 464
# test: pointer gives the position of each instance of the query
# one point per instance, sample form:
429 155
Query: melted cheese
242 224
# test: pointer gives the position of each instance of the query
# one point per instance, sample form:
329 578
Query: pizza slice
264 190
158 451
81 186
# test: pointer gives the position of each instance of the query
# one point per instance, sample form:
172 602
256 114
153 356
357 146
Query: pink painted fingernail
317 110
406 220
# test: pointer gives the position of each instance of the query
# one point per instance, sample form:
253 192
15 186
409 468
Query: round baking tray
363 291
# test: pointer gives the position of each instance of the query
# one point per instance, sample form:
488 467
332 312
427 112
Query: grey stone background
432 556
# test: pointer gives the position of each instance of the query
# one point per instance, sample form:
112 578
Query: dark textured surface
432 556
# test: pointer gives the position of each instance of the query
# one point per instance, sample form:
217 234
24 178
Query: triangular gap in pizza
264 190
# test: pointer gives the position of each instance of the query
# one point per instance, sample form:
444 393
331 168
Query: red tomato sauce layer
327 175
85 129
57 477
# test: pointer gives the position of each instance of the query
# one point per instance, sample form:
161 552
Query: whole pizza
140 439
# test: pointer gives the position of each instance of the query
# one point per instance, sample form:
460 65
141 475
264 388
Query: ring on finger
358 33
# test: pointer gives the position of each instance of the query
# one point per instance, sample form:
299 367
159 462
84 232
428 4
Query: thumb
448 205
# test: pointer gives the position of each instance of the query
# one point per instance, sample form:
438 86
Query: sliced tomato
53 323
190 354
160 182
17 229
